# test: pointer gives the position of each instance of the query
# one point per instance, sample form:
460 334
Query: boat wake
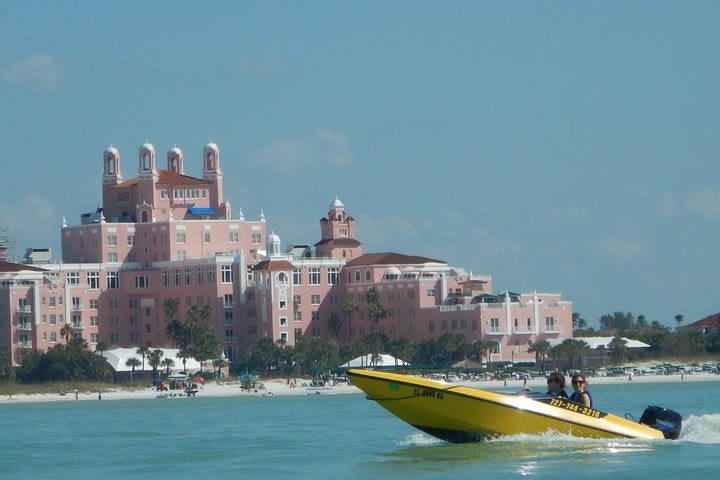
701 429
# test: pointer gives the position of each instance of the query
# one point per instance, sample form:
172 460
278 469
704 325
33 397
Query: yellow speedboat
458 414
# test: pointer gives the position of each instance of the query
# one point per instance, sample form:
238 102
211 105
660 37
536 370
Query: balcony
77 307
25 326
78 325
24 309
25 344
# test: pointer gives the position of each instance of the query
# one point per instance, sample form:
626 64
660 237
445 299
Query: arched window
144 217
357 276
367 276
282 278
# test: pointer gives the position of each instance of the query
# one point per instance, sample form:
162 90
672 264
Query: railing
26 344
78 325
25 326
77 307
24 309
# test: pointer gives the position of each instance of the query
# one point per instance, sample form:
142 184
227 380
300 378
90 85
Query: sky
563 147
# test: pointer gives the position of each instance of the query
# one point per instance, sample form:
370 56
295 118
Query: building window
113 280
227 274
142 281
283 321
431 292
210 274
550 324
431 326
228 300
314 315
164 278
297 316
255 238
176 277
233 237
229 335
314 299
357 276
206 237
314 276
282 278
94 280
130 240
94 302
229 317
112 240
180 238
495 325
283 304
283 336
297 277
333 274
112 257
73 278
368 277
94 321
188 276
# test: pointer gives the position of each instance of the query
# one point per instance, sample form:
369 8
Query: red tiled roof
709 321
274 265
166 177
341 242
17 267
390 258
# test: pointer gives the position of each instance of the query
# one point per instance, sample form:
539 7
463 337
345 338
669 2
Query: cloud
705 203
668 205
619 248
37 72
323 148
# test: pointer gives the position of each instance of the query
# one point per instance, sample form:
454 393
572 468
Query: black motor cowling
667 421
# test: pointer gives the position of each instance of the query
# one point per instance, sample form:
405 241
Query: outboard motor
667 421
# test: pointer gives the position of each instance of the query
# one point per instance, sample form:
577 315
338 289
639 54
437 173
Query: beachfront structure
164 234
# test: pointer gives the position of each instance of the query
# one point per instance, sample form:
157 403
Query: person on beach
556 385
580 395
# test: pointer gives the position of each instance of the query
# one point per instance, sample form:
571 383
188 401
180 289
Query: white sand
280 387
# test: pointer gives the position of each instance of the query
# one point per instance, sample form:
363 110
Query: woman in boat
580 395
556 385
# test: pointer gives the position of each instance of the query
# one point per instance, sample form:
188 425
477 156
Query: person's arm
585 399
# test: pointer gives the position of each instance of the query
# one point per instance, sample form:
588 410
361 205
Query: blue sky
558 146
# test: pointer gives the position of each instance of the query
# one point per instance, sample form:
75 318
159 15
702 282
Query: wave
701 429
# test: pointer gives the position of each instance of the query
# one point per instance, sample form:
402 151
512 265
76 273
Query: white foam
701 429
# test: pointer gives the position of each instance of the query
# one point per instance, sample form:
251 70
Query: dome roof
175 150
337 203
272 238
112 151
147 146
210 146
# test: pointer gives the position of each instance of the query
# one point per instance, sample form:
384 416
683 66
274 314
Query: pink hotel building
164 234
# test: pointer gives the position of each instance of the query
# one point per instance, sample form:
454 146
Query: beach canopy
595 342
384 361
117 357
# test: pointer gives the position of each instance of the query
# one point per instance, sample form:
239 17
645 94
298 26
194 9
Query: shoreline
280 387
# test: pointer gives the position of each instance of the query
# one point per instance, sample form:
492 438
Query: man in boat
556 385
580 394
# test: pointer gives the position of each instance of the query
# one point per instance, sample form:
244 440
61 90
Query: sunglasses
578 382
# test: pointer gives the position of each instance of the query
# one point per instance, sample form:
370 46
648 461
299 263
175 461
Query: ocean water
336 437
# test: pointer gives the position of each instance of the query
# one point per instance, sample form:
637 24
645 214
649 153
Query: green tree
143 352
167 364
65 332
132 362
578 323
349 307
335 325
154 359
377 311
679 319
618 349
101 347
540 348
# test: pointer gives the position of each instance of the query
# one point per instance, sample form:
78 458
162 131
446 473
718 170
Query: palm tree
335 324
219 364
349 308
154 359
132 362
66 331
377 311
679 319
101 347
143 352
541 349
168 363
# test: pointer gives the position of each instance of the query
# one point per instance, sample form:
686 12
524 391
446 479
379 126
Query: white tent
595 342
118 356
384 361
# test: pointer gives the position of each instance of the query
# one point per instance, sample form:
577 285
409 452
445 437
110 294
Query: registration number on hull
421 392
574 407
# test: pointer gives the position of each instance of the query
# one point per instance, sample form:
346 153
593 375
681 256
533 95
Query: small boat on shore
459 414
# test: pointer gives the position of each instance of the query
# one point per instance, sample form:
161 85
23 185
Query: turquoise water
338 437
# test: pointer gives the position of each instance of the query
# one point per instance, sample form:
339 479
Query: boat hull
459 414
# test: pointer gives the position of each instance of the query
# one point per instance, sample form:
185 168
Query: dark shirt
561 393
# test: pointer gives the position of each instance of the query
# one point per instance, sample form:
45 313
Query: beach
281 387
